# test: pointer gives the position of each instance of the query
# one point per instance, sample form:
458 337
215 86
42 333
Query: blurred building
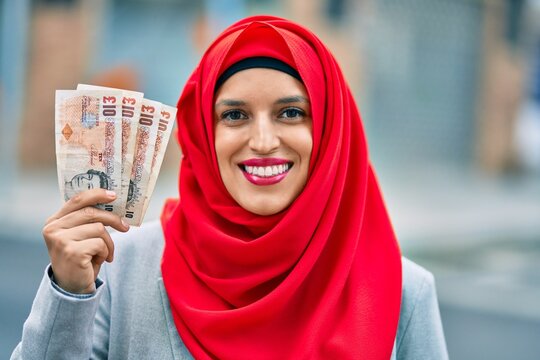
452 71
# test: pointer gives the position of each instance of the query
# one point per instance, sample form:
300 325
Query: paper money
166 124
113 139
145 143
89 142
131 109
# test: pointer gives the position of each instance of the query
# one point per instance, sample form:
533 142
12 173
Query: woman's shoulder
414 278
420 334
418 283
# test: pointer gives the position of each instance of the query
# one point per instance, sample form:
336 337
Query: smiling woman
263 138
279 246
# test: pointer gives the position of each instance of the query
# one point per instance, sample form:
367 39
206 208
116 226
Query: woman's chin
265 207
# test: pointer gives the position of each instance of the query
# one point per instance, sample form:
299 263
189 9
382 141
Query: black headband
257 62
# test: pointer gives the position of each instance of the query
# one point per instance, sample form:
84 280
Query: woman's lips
265 171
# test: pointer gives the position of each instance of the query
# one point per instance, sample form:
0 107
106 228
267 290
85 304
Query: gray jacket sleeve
61 325
420 331
100 347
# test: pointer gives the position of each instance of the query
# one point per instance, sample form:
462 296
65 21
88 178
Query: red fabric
321 279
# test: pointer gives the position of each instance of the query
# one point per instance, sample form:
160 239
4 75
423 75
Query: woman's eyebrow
283 100
230 102
292 99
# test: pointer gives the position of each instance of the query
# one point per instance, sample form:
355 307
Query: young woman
280 246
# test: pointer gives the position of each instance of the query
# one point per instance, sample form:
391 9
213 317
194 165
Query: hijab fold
319 280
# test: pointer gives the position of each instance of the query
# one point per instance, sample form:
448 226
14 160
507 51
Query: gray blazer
128 317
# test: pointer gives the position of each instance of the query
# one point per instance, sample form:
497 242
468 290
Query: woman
280 246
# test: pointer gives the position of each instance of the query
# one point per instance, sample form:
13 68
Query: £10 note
89 142
131 109
165 126
145 142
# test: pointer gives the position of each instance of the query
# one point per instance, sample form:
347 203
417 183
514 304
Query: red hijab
319 280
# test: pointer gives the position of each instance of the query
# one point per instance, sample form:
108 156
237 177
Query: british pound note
145 143
89 142
166 124
131 109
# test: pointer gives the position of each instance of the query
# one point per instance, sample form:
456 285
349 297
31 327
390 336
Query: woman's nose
263 135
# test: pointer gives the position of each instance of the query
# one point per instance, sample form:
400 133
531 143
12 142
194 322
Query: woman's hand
78 241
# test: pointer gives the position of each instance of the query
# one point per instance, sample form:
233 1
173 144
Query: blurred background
449 91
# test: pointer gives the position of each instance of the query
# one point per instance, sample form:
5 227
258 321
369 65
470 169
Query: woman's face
263 138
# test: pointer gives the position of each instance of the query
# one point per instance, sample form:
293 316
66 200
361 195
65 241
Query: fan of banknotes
113 139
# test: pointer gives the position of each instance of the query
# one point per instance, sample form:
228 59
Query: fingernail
126 225
110 193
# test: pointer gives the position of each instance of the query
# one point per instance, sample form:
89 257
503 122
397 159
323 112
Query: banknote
131 109
145 143
166 124
89 142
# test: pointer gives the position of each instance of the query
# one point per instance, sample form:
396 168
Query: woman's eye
292 113
233 115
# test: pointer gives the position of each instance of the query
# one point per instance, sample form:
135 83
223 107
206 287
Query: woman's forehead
261 82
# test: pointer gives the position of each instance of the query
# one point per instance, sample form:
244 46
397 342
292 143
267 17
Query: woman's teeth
267 171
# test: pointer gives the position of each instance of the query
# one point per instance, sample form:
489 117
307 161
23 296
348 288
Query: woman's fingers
91 214
95 249
62 242
81 261
78 241
83 253
82 200
95 230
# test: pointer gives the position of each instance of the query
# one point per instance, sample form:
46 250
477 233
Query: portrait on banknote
91 179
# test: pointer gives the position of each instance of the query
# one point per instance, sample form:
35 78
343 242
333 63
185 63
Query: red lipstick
265 171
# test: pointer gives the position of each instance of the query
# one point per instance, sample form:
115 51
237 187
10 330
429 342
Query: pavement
479 235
